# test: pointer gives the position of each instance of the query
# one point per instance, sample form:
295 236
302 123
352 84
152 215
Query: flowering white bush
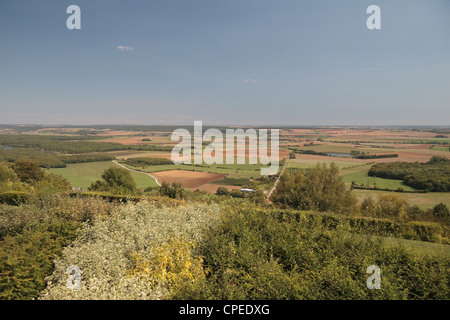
104 250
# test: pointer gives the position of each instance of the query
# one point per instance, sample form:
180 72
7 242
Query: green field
307 163
357 171
359 176
83 174
422 200
353 171
345 148
246 171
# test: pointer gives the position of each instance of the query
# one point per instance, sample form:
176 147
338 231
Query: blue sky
256 62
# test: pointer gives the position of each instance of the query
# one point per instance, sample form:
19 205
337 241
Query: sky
225 62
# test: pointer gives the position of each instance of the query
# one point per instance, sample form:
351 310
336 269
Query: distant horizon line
232 125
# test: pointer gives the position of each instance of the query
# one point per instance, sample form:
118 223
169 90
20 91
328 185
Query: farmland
50 146
81 175
231 230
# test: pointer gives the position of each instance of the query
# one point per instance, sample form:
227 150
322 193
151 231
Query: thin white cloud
125 48
250 80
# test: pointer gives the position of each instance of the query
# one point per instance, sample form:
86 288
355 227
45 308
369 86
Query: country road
121 165
278 179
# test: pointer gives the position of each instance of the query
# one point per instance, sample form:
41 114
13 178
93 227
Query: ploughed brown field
189 179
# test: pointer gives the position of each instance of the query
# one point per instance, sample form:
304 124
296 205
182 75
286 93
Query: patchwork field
189 179
411 145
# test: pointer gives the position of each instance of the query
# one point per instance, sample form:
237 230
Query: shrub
441 212
392 206
113 253
174 191
27 258
13 198
426 231
254 255
222 191
115 180
319 189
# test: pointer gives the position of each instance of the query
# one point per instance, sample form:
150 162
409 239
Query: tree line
50 160
433 176
71 144
146 161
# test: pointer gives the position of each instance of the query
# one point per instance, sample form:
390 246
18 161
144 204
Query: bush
222 191
392 206
41 181
113 253
174 191
27 258
426 231
319 189
115 180
253 255
441 212
13 198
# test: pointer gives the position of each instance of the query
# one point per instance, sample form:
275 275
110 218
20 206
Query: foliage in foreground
200 251
34 234
137 253
253 255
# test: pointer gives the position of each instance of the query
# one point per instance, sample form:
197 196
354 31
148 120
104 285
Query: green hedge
13 198
413 230
107 196
426 231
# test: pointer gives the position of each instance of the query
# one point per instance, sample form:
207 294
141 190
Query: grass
436 148
357 171
83 174
422 200
307 163
359 175
353 171
237 171
420 247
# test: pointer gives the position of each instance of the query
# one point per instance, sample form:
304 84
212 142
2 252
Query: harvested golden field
135 140
189 179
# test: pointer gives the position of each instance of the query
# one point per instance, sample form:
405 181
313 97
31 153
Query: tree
116 180
7 174
392 206
174 191
368 207
222 191
441 211
321 188
28 171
